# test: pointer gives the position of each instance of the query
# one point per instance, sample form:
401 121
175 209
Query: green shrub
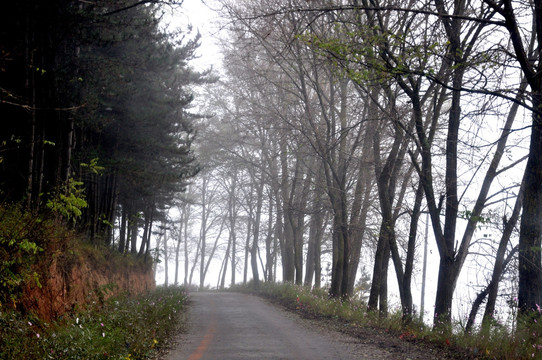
21 239
68 200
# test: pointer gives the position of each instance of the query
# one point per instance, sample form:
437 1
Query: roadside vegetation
121 328
502 342
96 132
109 323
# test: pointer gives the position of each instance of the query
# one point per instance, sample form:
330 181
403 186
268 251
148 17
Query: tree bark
233 230
256 236
406 300
288 260
178 249
249 233
134 225
203 230
166 258
269 251
361 203
186 211
146 230
30 87
530 236
316 233
213 250
122 230
224 267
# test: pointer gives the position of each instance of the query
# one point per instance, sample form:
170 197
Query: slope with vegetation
95 131
123 327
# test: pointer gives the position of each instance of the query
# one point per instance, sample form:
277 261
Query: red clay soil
69 280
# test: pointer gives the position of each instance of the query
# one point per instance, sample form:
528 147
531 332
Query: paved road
229 326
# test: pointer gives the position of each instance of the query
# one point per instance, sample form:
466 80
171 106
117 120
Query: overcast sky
201 16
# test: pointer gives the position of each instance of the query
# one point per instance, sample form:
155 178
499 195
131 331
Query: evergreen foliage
94 99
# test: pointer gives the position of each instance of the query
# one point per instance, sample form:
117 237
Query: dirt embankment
72 277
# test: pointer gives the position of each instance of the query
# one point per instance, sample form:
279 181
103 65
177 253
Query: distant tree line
95 123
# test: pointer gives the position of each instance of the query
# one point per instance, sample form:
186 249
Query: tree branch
340 8
142 2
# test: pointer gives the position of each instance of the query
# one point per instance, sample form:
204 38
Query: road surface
229 326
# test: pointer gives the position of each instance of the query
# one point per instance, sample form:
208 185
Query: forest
96 131
339 130
335 134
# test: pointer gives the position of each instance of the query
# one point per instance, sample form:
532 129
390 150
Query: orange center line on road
209 335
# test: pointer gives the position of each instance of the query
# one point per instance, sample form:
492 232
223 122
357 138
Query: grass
317 303
500 342
121 328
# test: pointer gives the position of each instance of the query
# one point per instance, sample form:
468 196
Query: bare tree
529 59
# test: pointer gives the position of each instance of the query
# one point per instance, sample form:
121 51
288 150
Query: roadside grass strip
120 328
503 340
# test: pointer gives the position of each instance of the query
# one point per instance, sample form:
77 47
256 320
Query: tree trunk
256 237
178 248
134 225
146 223
383 293
224 268
318 257
288 262
233 257
269 251
316 233
386 173
249 232
122 230
156 257
335 170
491 288
196 258
407 304
213 250
186 211
359 213
233 230
41 174
166 259
203 231
148 238
300 196
339 270
112 205
30 88
447 278
379 271
530 236
70 142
